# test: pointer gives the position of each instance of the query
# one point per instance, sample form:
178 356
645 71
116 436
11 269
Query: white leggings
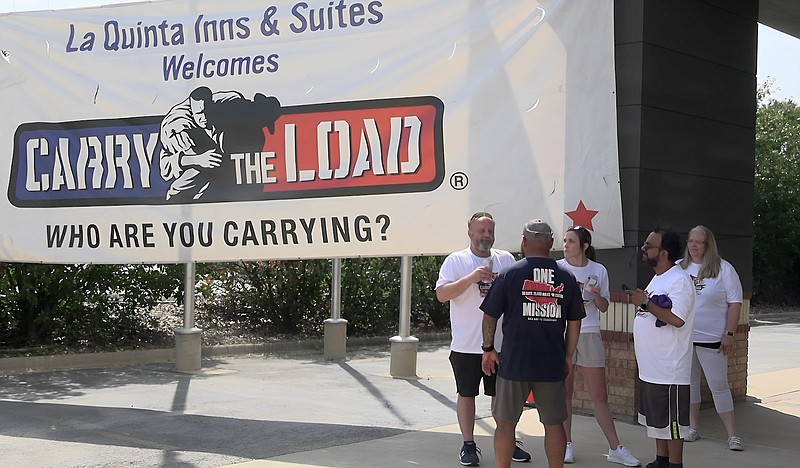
715 367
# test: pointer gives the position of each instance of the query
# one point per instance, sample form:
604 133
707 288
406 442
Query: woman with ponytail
589 357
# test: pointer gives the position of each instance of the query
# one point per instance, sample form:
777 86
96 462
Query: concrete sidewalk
768 422
301 411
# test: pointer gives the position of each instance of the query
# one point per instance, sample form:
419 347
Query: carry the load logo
220 146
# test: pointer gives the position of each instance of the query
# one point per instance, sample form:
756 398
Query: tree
293 296
776 237
94 306
267 297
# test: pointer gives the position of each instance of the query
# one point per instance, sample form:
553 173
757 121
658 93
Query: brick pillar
622 372
737 363
621 377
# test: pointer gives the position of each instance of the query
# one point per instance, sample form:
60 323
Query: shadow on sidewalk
171 431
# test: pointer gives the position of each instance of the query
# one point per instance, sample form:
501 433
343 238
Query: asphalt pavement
256 411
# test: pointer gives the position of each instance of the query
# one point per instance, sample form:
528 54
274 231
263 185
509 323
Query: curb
13 365
774 318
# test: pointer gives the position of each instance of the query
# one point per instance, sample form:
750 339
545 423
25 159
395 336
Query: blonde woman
717 308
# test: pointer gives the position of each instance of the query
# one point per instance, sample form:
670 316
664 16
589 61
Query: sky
778 53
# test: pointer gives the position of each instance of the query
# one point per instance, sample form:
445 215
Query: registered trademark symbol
459 180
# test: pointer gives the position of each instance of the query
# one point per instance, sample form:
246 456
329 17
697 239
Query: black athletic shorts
468 373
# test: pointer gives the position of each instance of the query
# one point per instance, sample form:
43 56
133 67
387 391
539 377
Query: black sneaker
470 454
519 454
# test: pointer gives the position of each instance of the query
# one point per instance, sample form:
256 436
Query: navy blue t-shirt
535 298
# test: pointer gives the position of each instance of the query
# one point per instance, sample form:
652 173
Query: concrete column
335 327
404 347
188 349
188 339
335 339
403 363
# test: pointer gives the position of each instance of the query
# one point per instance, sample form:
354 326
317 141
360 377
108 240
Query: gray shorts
590 351
664 410
551 400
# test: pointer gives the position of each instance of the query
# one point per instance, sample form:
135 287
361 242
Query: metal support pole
188 296
336 289
405 296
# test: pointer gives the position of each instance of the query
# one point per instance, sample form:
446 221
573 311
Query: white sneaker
569 455
623 456
735 444
693 435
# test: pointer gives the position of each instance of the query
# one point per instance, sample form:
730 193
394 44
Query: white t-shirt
711 304
466 317
592 272
664 354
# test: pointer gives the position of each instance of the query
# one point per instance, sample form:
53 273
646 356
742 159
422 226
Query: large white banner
174 131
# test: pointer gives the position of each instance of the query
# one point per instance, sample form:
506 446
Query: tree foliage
371 295
110 306
776 238
267 296
293 297
96 306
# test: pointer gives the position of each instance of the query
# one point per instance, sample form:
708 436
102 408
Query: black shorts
468 373
664 410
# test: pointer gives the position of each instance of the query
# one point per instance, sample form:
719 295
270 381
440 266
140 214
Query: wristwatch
729 333
487 349
644 304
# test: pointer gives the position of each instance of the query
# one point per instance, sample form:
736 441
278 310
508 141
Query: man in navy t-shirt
539 302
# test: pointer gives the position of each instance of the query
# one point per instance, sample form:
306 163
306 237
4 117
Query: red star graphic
582 216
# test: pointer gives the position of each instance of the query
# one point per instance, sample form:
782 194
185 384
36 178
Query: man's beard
651 262
484 246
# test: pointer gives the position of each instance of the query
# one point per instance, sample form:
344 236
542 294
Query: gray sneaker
623 456
569 455
735 444
693 435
